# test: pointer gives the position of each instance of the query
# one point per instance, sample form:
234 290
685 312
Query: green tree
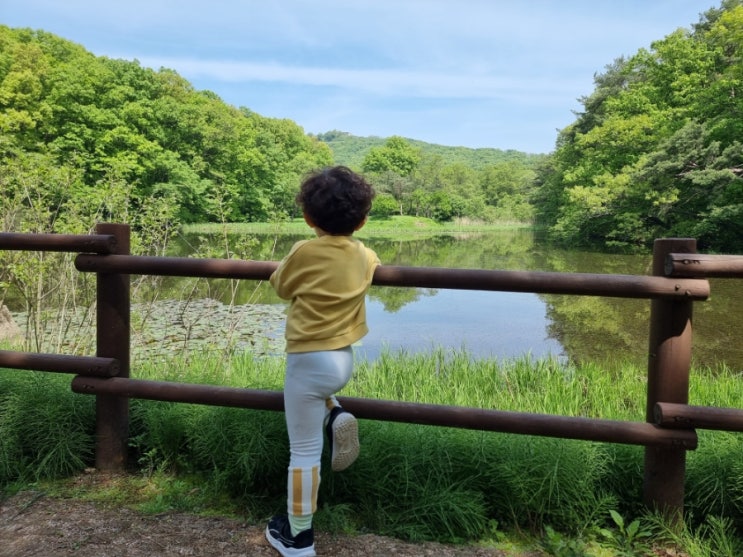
654 151
692 186
428 175
384 206
397 155
399 187
508 188
464 194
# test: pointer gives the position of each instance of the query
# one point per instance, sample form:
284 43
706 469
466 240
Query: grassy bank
412 482
395 226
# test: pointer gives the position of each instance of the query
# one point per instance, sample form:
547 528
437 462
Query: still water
492 324
505 325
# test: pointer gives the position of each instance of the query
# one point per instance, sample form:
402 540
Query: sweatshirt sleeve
285 277
373 259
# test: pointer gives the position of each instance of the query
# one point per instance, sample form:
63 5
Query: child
326 279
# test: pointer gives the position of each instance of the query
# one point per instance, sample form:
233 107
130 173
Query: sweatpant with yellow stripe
312 379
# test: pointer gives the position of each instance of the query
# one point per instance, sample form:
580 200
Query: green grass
413 482
397 226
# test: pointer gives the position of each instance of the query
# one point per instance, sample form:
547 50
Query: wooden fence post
112 341
669 363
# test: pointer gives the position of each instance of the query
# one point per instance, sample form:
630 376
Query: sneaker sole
289 551
345 442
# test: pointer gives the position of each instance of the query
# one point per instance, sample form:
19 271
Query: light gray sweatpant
312 379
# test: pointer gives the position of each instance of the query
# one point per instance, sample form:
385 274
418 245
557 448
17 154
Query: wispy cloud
385 82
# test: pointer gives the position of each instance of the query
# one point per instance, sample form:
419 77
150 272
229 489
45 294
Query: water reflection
486 324
505 324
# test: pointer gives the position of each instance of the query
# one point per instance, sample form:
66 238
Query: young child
326 279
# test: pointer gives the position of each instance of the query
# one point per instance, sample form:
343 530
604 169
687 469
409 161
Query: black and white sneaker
279 535
343 435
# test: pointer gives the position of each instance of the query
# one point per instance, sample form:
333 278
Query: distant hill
350 151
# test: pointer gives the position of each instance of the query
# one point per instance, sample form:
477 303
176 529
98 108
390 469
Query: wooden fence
678 280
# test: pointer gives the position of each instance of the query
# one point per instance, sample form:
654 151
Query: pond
503 325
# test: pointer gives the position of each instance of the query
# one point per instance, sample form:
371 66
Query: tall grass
46 431
396 226
414 482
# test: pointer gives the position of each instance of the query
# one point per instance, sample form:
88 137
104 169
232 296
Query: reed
413 482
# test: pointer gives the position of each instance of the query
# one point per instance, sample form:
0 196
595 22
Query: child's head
336 200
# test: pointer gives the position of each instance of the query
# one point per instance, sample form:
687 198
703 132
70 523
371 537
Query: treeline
437 184
658 149
86 136
350 150
441 182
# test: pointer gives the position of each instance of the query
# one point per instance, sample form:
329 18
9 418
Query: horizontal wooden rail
672 415
588 429
88 243
60 363
589 284
176 266
702 265
542 282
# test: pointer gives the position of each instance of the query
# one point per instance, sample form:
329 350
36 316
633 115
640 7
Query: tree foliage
182 155
350 150
107 121
657 149
425 183
396 155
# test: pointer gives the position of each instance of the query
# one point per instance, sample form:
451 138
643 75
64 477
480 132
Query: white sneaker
343 435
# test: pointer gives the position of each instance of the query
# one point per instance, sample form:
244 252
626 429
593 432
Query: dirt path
33 524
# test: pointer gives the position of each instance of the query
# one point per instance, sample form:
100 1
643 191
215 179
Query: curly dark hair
336 199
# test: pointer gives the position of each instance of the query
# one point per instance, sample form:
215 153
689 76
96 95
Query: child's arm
285 277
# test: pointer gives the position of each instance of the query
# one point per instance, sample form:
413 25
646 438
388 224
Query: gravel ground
33 524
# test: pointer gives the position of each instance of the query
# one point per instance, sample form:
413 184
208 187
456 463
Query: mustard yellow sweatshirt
326 279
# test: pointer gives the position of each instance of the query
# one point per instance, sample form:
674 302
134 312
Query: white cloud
386 82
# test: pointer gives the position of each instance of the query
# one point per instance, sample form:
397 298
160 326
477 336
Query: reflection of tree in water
591 328
504 250
594 328
393 298
507 249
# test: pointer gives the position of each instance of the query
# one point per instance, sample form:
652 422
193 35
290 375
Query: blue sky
478 73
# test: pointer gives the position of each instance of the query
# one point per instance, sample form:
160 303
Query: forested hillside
656 151
85 138
441 182
350 150
658 148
